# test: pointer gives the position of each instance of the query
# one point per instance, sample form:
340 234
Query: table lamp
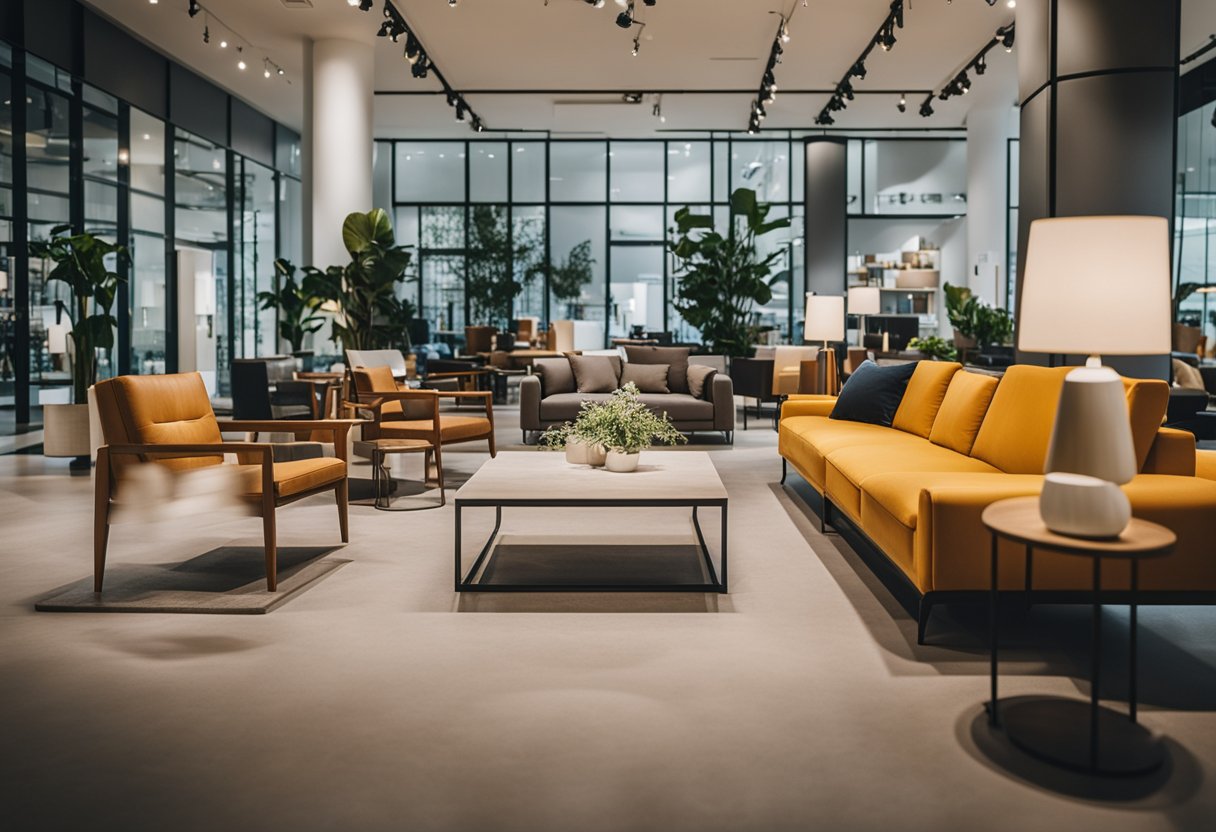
864 300
825 322
1094 286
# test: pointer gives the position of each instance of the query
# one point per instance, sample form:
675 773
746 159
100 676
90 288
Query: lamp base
1081 506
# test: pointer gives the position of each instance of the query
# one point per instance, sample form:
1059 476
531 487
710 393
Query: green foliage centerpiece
724 276
622 427
297 309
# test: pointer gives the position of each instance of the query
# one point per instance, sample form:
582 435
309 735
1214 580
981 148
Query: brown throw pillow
555 375
676 359
650 378
700 380
593 373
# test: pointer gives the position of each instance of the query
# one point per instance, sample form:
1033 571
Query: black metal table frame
466 582
1095 646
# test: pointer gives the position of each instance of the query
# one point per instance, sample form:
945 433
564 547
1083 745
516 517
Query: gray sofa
540 409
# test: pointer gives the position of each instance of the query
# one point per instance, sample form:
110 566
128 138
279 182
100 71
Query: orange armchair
167 420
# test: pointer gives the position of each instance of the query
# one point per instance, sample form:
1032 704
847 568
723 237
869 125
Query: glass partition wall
1195 219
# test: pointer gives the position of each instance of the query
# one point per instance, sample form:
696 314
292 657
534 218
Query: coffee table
664 479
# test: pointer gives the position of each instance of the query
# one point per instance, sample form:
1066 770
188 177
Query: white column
988 132
337 144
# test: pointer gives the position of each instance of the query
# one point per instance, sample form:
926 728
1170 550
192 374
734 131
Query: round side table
381 479
1054 728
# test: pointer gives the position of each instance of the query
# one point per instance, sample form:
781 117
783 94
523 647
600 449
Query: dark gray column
1098 84
827 223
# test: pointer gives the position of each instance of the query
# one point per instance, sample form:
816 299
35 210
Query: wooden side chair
414 414
167 420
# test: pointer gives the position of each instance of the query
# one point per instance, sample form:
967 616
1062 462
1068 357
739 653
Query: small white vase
580 452
621 463
1082 506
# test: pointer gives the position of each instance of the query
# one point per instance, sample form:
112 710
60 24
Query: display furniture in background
1094 286
978 326
825 322
909 497
755 378
863 301
168 421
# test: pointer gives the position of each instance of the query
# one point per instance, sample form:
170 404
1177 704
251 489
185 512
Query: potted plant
724 277
298 316
490 283
976 324
577 438
935 348
363 293
567 278
80 262
626 427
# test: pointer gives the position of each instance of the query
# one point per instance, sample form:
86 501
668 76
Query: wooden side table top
396 445
1018 519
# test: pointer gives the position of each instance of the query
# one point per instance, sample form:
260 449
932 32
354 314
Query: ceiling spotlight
785 32
193 8
223 44
419 68
902 106
265 68
460 111
964 83
352 3
624 20
1011 4
981 66
153 2
451 4
637 45
1007 38
926 109
825 119
206 34
241 65
859 70
887 39
648 2
279 70
846 88
364 5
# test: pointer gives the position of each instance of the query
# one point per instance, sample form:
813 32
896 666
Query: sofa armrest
1205 465
722 394
529 403
808 405
1173 452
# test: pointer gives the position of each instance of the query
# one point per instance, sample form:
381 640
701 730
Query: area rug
523 560
229 580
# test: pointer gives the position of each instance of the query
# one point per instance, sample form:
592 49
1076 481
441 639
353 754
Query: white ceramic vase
580 452
622 463
1083 506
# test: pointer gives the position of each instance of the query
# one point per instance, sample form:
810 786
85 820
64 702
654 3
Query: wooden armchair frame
376 401
265 504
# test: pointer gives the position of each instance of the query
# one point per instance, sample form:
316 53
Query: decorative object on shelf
613 433
80 262
363 293
1094 285
825 322
296 309
939 349
976 324
722 276
864 300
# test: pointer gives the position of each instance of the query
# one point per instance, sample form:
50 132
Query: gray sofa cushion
680 407
650 378
595 373
676 359
555 375
564 407
700 385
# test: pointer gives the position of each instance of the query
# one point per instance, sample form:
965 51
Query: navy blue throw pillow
872 394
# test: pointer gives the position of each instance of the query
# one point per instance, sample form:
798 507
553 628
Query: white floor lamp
1094 286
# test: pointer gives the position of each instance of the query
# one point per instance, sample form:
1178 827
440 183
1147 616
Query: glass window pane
147 296
148 213
528 172
101 209
287 151
443 227
443 295
637 289
100 144
578 171
291 220
382 176
853 170
6 129
797 170
528 236
637 171
48 141
430 172
722 159
577 251
688 172
405 226
637 222
256 329
147 153
101 100
488 171
762 166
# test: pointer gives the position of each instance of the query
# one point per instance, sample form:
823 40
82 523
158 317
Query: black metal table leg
993 598
1131 670
1096 667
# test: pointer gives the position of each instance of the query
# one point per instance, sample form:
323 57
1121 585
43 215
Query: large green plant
490 282
567 278
363 293
298 315
80 262
725 277
973 318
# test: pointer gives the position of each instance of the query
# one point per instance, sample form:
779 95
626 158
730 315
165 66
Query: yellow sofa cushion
806 440
962 411
1147 400
1017 427
923 396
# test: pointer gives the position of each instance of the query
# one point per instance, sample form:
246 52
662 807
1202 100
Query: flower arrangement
623 426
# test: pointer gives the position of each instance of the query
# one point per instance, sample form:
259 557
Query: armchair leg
342 496
490 438
270 540
101 517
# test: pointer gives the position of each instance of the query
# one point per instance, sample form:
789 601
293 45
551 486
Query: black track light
926 109
902 106
365 5
624 20
825 119
1007 38
981 66
385 27
648 2
845 89
419 68
963 82
194 8
887 39
206 34
859 70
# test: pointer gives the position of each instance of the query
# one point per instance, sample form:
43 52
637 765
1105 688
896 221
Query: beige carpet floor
378 700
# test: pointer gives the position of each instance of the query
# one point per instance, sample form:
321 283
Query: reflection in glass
488 171
637 171
577 249
578 171
256 329
147 153
636 289
430 172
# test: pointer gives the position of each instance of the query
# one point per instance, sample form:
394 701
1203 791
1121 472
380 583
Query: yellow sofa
961 440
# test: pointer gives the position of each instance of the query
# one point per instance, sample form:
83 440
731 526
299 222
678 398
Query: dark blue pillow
872 394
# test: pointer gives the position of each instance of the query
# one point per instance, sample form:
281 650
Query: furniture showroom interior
640 415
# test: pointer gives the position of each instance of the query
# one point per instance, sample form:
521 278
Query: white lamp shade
1096 286
1092 433
824 318
865 300
57 339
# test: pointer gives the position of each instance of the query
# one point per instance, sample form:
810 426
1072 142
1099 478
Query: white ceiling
568 45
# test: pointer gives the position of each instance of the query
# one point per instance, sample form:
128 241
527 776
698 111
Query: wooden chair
167 420
414 414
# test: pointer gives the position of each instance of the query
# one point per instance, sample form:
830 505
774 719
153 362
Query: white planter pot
621 463
579 452
65 430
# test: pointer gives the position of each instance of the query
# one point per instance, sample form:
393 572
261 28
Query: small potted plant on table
615 432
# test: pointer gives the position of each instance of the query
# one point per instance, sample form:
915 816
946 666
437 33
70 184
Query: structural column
825 195
1098 83
337 144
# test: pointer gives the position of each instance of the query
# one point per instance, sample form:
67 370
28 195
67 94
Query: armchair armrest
263 449
1173 452
336 428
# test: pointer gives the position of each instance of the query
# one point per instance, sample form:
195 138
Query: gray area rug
229 580
573 564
